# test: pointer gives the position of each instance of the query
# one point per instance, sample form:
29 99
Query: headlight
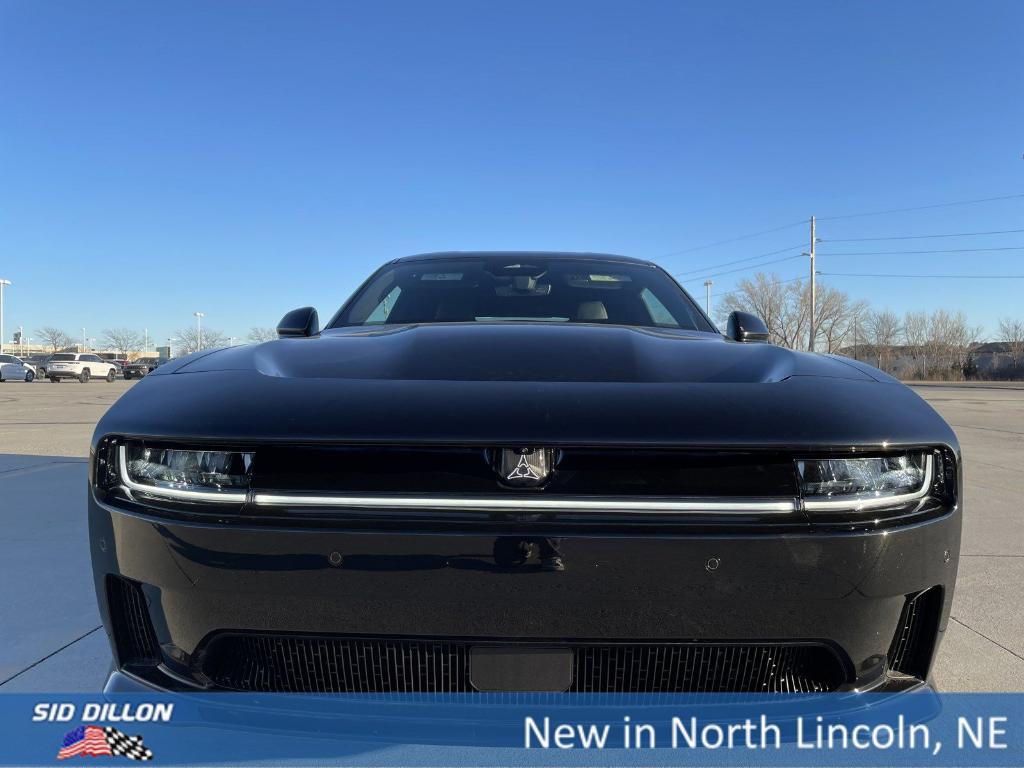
186 474
865 483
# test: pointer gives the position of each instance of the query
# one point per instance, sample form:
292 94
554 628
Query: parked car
141 367
537 472
81 366
38 362
15 369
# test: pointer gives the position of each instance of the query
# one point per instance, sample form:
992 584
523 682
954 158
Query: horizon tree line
938 344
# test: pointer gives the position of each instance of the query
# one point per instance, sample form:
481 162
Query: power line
922 207
743 269
739 261
850 216
731 240
948 250
919 237
773 284
924 276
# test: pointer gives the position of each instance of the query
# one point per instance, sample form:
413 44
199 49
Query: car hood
524 352
524 385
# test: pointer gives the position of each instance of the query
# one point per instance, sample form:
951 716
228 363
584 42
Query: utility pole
199 329
145 344
814 288
2 284
707 305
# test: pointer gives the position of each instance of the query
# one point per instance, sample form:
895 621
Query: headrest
591 310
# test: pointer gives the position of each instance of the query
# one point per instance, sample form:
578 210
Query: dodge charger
521 471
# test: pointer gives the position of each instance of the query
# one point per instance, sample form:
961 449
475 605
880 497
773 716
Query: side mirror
299 322
744 326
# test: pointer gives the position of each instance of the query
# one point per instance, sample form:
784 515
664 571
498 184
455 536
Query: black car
522 471
140 367
39 362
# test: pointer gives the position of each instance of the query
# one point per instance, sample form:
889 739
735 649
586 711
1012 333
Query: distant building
995 360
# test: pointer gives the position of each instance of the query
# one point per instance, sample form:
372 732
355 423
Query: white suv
81 366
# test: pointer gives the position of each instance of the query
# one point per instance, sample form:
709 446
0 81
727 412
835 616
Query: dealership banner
912 729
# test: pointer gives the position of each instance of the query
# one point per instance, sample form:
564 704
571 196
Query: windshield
63 356
522 288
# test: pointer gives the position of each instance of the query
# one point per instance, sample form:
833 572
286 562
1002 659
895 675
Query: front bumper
845 591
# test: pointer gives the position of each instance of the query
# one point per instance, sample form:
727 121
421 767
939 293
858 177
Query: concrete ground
51 638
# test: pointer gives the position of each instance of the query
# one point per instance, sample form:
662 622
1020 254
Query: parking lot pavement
47 602
984 645
51 639
50 633
44 419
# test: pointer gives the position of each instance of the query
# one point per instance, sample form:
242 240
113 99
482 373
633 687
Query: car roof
445 255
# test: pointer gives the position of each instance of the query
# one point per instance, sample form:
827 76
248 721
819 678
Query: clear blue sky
244 158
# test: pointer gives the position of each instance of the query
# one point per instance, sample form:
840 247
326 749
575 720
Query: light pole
199 329
21 339
145 344
813 330
85 341
2 284
707 305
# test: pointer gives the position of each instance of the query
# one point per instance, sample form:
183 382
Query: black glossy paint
525 383
509 384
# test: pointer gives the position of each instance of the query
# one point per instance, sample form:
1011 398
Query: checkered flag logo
127 746
94 741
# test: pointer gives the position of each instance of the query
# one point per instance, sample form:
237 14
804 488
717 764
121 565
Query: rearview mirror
744 326
299 322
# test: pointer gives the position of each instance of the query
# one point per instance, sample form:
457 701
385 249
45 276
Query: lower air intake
244 662
133 631
912 645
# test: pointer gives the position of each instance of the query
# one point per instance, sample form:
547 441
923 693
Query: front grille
133 631
914 641
705 668
575 471
248 662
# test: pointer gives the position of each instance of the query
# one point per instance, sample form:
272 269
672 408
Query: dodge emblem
525 466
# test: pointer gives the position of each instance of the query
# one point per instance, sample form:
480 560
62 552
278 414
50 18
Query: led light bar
510 504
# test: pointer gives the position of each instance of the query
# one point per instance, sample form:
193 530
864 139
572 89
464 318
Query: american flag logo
96 741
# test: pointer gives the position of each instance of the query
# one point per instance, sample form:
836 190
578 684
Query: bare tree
260 334
883 330
779 304
785 309
188 340
941 344
1011 333
915 335
859 313
54 338
834 317
949 344
123 340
